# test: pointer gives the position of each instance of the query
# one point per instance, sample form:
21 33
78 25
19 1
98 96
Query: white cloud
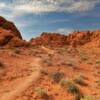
11 10
2 5
20 7
81 6
64 30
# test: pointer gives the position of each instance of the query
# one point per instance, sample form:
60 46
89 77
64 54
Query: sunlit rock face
9 34
9 26
74 39
52 39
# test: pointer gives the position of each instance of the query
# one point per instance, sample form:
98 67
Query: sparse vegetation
83 77
44 72
17 51
41 92
69 86
98 82
34 46
88 98
80 81
98 63
83 57
57 76
89 62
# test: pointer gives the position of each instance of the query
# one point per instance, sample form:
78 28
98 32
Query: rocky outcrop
51 39
9 26
9 35
74 39
8 39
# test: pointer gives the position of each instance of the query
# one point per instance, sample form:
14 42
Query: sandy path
25 83
49 51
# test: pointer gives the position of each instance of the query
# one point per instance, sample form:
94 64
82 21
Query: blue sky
33 17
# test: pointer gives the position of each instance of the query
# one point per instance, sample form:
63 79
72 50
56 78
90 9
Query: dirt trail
25 83
49 51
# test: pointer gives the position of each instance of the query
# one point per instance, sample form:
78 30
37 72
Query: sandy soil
23 70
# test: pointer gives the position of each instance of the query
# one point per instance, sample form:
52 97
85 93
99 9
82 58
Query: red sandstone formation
8 39
9 26
75 39
51 39
9 34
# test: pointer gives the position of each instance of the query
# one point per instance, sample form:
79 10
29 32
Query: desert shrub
80 81
69 86
78 96
89 62
83 57
57 76
17 51
88 98
40 92
98 82
34 46
63 82
83 77
44 72
98 63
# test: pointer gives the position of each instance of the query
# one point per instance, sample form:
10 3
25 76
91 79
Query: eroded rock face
51 39
8 39
9 26
5 36
9 35
74 39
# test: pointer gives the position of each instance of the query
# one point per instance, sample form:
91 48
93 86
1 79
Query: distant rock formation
11 37
51 39
75 39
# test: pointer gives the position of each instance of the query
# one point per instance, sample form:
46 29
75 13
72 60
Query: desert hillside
50 67
75 39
